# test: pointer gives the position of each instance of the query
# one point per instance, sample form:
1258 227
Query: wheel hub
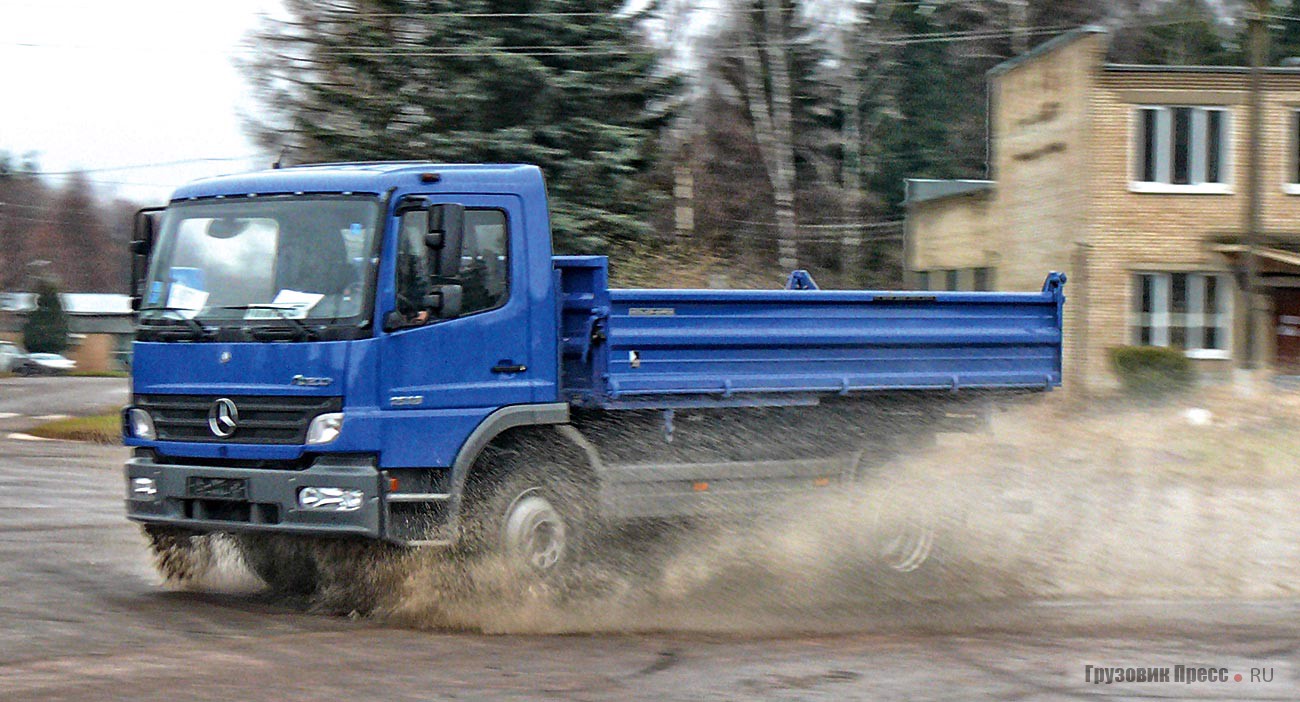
534 531
908 547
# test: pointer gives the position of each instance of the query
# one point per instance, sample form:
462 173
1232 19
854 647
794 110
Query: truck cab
312 337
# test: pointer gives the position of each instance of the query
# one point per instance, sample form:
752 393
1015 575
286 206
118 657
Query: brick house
1132 180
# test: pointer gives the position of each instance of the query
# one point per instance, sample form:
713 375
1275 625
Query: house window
1293 177
1189 311
1181 149
955 279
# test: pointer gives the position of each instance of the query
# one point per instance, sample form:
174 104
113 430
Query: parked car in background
49 363
11 356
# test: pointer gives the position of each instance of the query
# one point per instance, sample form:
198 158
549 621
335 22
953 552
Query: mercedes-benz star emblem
224 357
223 417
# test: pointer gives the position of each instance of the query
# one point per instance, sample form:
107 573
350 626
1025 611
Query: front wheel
287 565
533 519
182 557
535 533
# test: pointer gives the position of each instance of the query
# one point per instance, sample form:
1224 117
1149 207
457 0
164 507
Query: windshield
266 258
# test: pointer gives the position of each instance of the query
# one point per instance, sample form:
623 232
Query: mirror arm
411 203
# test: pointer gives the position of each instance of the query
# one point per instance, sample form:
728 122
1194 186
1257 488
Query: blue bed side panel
628 345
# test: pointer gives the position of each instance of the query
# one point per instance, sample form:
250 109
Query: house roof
926 189
1222 70
1047 47
75 304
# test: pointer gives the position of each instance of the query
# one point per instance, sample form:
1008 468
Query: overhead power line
146 166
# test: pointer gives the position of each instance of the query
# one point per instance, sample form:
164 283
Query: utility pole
1019 10
1258 51
5 263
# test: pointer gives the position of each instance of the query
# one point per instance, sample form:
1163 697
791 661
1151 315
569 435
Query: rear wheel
903 525
904 541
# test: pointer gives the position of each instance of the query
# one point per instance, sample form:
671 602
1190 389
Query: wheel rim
904 532
907 547
534 531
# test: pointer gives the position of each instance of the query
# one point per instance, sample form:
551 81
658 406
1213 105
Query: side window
485 261
484 264
412 265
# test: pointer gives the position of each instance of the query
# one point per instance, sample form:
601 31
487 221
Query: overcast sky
98 85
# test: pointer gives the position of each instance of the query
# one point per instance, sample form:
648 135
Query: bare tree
767 95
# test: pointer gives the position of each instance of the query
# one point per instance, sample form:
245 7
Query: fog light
325 428
141 424
143 489
330 499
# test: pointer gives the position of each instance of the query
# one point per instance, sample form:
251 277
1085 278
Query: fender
493 425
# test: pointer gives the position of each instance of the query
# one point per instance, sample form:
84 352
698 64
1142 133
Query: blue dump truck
391 352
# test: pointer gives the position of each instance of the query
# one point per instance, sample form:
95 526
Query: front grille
268 419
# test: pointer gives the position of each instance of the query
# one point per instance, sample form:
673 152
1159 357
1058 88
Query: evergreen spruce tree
46 328
1285 42
1185 33
915 140
564 84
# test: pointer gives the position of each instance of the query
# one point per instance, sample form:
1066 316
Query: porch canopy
1271 259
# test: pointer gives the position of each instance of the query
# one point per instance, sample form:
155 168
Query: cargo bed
698 348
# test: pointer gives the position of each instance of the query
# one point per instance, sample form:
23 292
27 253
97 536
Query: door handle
508 367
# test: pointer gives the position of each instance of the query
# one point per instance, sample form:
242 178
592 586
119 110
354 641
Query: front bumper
269 501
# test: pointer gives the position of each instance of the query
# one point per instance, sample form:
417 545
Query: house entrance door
1286 304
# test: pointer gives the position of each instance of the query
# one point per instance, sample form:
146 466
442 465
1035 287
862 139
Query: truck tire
534 519
286 565
903 525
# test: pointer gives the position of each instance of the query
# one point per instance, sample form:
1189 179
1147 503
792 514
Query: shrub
46 329
1152 370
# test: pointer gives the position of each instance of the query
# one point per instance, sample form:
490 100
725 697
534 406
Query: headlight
325 428
141 425
331 499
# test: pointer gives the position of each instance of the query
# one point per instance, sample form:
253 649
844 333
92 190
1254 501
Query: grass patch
100 374
103 428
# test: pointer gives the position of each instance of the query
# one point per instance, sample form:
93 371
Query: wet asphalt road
82 617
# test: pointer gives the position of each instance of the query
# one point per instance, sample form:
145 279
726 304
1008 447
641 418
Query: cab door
447 374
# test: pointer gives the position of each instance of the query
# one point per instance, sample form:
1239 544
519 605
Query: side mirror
444 239
445 301
142 241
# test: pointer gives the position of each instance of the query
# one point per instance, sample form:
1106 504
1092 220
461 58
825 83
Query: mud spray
1191 499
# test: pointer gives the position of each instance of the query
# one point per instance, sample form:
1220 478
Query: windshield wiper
282 311
192 323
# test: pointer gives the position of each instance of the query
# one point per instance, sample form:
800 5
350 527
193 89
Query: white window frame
1291 176
1196 145
1161 319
